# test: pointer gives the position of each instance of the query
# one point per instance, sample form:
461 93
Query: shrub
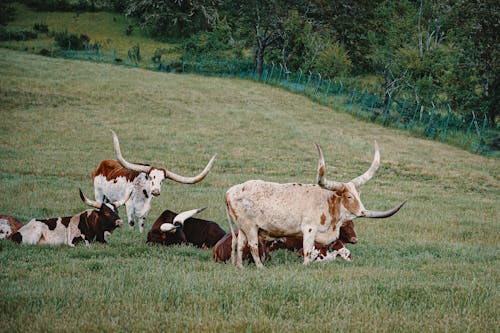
41 27
16 35
7 13
333 61
72 41
129 30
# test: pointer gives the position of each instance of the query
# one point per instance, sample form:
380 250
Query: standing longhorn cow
87 226
113 178
315 212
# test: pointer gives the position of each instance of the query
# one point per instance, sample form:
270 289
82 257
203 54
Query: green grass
106 28
432 267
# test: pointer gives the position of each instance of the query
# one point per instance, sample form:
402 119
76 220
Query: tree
265 20
174 18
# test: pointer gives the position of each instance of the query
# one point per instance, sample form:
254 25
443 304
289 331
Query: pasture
432 267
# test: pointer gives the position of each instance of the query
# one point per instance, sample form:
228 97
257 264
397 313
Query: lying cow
222 250
321 252
87 226
8 226
172 228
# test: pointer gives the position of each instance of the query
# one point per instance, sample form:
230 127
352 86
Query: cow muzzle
155 193
119 223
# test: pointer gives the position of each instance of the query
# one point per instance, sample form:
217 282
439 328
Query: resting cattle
314 212
87 226
222 250
113 178
8 225
321 252
172 228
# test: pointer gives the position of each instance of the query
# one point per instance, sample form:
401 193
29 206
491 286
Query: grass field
432 267
105 28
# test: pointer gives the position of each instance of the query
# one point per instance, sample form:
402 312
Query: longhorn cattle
172 228
113 178
314 212
8 226
87 226
222 250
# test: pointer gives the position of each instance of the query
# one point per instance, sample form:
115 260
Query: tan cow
314 212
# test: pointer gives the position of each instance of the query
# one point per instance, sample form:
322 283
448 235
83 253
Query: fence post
467 132
481 141
429 128
446 124
386 111
325 96
317 87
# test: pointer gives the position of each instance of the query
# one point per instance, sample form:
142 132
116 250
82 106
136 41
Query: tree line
426 51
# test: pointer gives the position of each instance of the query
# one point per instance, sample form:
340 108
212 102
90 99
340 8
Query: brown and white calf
222 250
87 226
8 225
114 178
172 228
314 212
321 252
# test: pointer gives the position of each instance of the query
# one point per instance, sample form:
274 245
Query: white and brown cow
87 226
8 225
314 212
113 178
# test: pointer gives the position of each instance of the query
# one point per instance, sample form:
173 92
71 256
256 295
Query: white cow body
139 204
38 232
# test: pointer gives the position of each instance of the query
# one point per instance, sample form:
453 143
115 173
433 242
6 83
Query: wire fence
437 122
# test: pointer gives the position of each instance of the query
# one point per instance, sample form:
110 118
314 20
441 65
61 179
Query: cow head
157 175
347 233
348 193
107 212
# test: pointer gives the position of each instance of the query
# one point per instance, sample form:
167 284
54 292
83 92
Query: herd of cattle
313 220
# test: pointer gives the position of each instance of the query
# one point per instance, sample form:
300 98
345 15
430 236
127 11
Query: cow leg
130 214
141 220
242 242
308 244
253 244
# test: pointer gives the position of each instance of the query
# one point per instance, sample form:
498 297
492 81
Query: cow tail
233 237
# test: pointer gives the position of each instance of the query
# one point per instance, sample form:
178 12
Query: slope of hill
432 267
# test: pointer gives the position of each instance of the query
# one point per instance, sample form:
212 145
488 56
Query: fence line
434 122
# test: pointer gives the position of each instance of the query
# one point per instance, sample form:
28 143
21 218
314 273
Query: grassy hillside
432 267
107 29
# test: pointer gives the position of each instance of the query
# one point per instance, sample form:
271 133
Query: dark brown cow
87 226
8 225
347 235
222 250
172 228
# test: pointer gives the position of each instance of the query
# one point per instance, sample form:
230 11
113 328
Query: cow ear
337 194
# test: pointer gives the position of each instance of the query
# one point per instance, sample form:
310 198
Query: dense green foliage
433 267
441 52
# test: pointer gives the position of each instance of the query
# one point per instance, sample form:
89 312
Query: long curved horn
123 162
166 227
123 201
191 180
387 213
187 214
89 202
358 181
322 181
